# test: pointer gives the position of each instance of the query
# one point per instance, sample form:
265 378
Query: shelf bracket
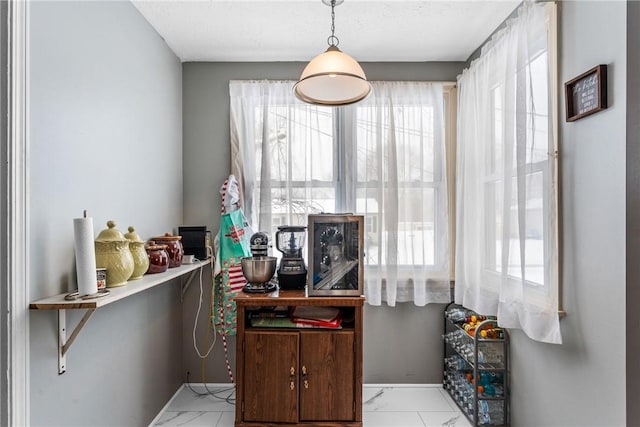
63 343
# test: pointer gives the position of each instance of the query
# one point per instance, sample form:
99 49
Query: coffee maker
292 272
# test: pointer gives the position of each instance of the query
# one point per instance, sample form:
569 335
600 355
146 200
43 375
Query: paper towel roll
85 256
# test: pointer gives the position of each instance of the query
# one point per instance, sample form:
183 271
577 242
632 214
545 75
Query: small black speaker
193 240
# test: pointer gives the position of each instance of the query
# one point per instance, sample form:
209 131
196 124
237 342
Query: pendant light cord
333 40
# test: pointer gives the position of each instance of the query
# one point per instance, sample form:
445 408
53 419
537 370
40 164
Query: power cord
224 341
230 398
195 323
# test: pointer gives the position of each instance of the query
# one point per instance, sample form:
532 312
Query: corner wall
633 211
105 135
582 382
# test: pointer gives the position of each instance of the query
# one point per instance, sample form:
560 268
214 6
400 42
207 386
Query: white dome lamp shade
332 78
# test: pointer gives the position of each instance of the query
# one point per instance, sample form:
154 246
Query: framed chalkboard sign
587 93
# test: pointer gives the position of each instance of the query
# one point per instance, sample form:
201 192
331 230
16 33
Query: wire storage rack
476 366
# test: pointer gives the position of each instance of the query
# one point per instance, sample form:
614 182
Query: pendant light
333 77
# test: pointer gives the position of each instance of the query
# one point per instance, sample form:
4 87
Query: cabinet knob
292 378
304 377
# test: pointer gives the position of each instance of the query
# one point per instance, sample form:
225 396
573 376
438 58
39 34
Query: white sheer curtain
282 154
506 228
382 158
401 182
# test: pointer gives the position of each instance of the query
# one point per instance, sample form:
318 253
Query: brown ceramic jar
174 248
158 258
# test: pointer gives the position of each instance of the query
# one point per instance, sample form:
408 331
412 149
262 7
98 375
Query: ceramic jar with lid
140 257
113 253
158 258
174 248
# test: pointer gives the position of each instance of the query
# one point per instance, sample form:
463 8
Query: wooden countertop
296 297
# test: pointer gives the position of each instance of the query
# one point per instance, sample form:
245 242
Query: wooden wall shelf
58 302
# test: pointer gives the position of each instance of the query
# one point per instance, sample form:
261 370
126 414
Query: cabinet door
271 376
327 373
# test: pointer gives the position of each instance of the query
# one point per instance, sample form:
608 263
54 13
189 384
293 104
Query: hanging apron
232 245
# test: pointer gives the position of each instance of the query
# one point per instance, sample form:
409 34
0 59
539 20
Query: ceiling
297 30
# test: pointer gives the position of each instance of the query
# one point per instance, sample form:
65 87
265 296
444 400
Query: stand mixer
259 268
292 272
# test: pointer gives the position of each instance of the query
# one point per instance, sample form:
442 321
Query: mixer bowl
258 269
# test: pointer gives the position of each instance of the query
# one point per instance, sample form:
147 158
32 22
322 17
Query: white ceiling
297 30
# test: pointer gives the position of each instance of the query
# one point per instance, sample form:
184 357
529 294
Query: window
382 158
529 267
506 227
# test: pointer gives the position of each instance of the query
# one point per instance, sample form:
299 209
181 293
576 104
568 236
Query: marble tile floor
404 405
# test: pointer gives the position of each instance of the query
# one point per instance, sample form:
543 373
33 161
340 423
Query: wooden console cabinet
299 377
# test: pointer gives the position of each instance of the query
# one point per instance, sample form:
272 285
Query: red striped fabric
236 278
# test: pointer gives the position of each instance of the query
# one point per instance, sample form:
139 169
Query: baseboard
402 385
210 385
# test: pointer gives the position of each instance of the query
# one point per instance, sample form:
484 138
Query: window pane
533 232
497 144
300 141
406 156
367 205
369 144
537 110
537 149
494 203
299 165
412 143
534 229
415 233
315 161
416 241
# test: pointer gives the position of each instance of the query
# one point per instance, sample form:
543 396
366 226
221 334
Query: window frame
345 129
493 277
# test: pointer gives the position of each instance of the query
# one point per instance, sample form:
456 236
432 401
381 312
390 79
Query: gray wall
106 122
582 382
5 293
207 163
633 210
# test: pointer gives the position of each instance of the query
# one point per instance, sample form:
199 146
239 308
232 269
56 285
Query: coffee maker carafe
292 272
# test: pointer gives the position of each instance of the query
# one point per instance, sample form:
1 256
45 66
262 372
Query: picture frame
336 255
586 94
